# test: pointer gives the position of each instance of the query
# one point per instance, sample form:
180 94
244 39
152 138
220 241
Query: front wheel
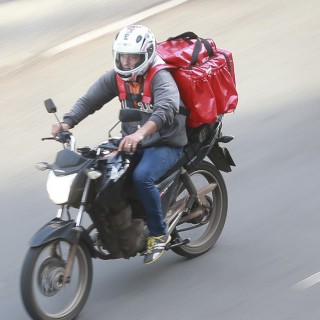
205 231
44 293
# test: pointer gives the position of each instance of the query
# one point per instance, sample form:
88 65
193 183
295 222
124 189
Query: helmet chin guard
134 40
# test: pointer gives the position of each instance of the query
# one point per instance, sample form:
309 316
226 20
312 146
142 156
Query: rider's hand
129 143
58 127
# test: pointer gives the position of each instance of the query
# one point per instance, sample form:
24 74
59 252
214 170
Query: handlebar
68 140
64 137
112 144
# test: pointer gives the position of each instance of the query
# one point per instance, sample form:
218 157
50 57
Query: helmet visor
129 61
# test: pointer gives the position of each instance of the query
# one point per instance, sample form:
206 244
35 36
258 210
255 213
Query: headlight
59 187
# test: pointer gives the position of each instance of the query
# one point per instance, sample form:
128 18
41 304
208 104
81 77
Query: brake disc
51 275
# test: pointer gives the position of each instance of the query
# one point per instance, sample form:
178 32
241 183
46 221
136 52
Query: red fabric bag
186 50
204 75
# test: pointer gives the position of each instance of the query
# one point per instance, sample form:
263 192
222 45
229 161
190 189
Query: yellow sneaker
155 248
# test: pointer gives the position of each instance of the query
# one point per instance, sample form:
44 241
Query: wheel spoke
204 230
44 293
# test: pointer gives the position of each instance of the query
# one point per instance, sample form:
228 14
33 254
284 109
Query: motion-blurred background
261 265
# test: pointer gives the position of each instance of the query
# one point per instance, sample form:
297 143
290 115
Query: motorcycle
100 216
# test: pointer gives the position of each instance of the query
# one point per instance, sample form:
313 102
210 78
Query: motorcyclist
162 133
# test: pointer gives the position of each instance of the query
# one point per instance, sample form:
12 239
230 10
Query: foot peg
177 243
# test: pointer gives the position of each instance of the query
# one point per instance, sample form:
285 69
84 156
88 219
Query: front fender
63 230
53 230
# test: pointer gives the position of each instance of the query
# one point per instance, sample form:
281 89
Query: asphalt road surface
266 263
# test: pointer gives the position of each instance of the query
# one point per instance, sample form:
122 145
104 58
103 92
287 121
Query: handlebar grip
108 145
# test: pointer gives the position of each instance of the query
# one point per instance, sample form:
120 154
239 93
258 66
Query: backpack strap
147 95
121 88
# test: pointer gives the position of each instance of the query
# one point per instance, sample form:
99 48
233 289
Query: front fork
78 229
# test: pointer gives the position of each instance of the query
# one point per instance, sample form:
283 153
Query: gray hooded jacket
163 110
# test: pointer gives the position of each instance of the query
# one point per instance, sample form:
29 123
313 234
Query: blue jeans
155 162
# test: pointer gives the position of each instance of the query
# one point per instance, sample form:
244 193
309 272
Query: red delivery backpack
204 75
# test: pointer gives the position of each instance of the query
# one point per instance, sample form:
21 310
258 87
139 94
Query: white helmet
135 40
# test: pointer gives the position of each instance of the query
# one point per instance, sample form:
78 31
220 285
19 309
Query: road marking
308 282
112 27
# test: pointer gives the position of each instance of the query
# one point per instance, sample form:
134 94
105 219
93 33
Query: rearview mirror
130 115
50 106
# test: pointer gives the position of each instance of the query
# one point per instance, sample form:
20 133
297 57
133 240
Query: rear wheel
43 291
205 230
